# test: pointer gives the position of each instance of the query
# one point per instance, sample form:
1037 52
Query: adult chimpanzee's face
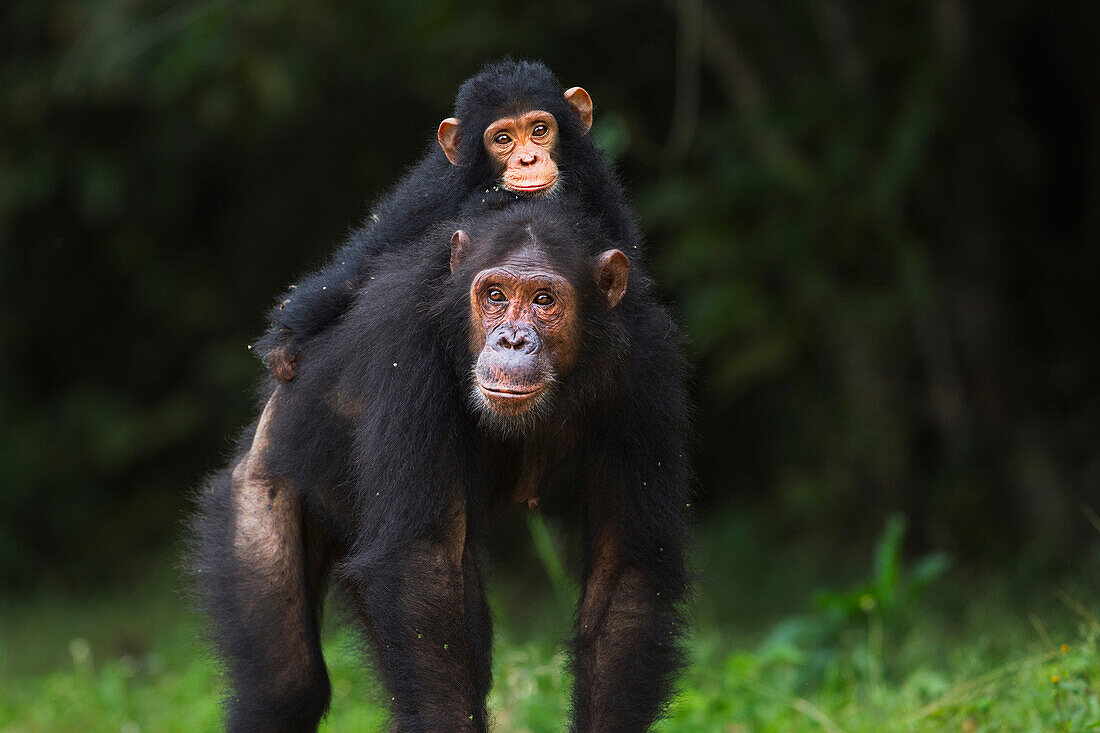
526 322
525 331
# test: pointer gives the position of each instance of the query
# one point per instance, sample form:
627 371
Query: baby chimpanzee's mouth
539 185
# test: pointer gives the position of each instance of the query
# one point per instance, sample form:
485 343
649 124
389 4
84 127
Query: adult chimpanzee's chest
524 472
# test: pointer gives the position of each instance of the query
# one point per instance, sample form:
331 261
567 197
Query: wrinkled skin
525 326
526 147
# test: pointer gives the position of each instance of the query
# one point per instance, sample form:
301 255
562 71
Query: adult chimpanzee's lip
510 393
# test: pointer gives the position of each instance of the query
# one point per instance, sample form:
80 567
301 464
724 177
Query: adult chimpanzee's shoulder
396 311
653 331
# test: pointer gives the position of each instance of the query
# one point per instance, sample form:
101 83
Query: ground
917 647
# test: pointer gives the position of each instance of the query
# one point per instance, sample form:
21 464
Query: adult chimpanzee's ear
460 243
581 103
448 138
612 272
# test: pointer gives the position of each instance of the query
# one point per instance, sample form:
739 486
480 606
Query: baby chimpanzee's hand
283 356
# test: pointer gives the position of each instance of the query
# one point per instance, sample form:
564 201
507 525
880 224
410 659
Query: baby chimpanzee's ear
612 272
460 247
448 138
581 104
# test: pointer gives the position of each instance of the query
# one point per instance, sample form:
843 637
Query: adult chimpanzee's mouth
511 401
510 393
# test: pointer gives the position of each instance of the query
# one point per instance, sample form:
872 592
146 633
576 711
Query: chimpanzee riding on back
516 136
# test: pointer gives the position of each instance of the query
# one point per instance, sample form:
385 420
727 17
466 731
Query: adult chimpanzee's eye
540 130
544 299
496 295
502 139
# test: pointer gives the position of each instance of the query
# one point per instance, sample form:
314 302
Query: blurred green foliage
129 661
876 221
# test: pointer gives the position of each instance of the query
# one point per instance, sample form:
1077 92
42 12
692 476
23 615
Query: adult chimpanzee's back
466 171
509 354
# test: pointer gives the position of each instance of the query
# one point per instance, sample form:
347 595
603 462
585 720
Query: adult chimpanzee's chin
509 415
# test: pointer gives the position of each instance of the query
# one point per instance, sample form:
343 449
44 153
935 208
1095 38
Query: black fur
378 442
434 191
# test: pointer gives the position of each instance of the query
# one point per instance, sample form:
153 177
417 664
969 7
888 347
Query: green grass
965 654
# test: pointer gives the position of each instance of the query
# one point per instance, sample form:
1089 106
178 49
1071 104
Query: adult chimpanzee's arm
627 650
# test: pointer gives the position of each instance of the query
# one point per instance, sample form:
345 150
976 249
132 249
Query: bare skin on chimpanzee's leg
265 568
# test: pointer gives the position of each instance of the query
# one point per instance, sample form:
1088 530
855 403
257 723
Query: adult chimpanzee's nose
515 340
511 338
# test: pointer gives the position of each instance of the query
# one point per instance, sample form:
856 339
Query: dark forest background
876 221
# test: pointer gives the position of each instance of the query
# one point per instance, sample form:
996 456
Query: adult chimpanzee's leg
627 653
428 620
480 629
261 574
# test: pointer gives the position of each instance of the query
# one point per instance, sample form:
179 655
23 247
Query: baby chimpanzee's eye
502 139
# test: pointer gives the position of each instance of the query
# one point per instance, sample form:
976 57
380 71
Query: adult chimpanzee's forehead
560 234
533 240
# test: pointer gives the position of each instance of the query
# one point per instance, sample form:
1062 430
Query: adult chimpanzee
515 135
464 380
